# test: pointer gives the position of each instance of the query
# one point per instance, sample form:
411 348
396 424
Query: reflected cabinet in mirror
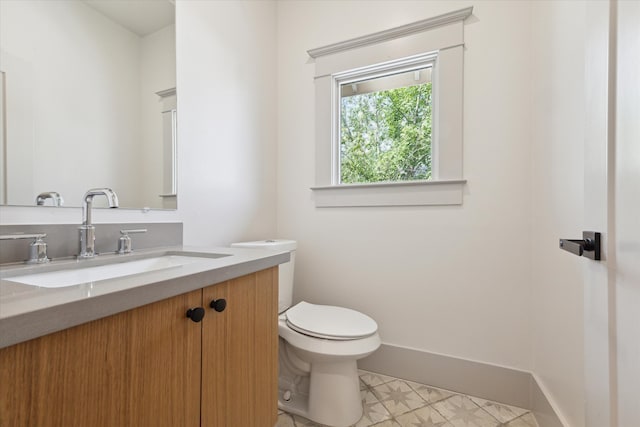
87 99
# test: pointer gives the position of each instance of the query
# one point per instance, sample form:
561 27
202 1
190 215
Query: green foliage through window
386 135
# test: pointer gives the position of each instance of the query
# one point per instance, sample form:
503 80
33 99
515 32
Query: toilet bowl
319 347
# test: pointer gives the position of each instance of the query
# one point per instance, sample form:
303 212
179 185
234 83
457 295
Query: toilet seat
329 322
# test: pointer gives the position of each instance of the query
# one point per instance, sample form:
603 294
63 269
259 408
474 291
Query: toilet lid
325 321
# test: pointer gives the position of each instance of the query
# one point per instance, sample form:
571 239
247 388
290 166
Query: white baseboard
541 406
491 382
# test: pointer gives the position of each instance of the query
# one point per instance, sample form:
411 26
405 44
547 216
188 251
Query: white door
612 206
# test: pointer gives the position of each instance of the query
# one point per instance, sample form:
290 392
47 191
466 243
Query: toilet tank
285 273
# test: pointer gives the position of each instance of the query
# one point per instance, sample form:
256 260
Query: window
385 124
389 116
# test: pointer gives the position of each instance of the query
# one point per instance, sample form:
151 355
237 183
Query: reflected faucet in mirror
55 197
87 229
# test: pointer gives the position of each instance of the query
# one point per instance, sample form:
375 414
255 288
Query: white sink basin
77 276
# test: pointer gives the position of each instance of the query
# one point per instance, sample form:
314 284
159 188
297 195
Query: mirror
87 99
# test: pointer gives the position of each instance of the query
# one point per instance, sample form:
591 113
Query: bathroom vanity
147 363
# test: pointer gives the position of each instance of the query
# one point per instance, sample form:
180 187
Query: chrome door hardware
588 246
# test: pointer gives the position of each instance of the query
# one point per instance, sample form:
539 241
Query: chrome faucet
55 197
87 230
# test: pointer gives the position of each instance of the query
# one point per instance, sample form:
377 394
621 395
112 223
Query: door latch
588 246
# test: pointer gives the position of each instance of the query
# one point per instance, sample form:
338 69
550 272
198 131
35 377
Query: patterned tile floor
391 402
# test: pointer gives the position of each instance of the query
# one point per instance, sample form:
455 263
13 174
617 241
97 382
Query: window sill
411 193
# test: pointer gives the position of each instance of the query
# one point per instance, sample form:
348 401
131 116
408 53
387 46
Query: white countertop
27 312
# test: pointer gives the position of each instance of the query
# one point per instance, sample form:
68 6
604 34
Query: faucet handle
124 242
38 251
37 248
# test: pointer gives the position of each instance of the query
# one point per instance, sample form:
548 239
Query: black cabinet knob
218 304
195 314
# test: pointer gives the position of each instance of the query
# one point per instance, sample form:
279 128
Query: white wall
227 123
454 280
557 141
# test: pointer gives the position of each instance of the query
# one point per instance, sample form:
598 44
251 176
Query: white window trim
392 33
400 193
395 48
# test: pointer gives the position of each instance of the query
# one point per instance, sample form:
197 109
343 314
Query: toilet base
334 395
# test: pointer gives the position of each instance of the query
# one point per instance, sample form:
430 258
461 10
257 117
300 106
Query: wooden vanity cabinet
240 353
153 366
136 368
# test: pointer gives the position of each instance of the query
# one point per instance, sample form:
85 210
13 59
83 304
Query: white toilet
319 347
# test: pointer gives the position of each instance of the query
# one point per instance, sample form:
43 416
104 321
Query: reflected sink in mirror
80 274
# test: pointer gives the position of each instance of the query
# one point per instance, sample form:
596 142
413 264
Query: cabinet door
137 368
240 352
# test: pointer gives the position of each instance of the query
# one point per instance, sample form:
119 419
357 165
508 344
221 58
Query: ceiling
139 16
